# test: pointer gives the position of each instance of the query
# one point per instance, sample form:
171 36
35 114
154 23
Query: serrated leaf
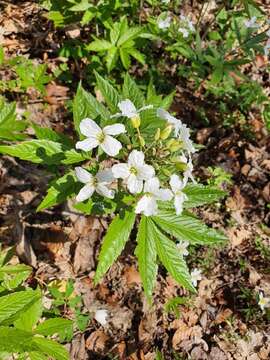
131 91
35 355
125 58
14 340
86 105
170 257
188 228
49 327
147 256
10 128
61 189
111 58
108 92
200 195
43 133
51 348
136 55
130 34
30 317
43 152
12 305
99 45
114 241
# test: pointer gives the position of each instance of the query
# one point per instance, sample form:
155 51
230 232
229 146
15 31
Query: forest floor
223 320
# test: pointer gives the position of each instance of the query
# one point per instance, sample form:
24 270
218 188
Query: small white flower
97 183
164 23
263 302
189 168
184 32
129 110
134 172
251 23
100 137
101 316
184 135
177 124
196 276
165 2
147 205
182 247
177 185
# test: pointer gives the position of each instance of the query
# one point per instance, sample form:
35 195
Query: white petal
87 144
164 194
89 128
134 185
151 185
85 193
176 183
101 316
104 191
147 205
120 171
111 146
105 176
127 108
114 129
178 203
83 175
145 172
136 158
162 113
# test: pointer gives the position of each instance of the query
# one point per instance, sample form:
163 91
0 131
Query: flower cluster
186 26
136 176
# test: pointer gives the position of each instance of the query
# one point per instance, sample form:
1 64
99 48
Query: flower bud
136 121
166 171
165 133
174 145
141 140
181 166
157 135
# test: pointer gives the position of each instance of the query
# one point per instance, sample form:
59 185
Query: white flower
184 135
196 276
101 316
100 137
184 32
251 23
177 185
134 172
189 168
147 205
129 110
267 47
263 302
182 247
92 183
177 124
165 2
164 23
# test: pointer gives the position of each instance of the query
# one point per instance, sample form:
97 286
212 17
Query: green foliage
10 128
21 331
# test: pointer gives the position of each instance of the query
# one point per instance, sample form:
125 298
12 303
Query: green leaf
131 91
170 257
43 152
30 317
61 189
49 327
99 45
147 256
13 305
136 55
114 241
51 348
10 128
35 355
125 58
108 92
15 340
130 34
200 195
43 133
86 105
111 58
13 275
188 228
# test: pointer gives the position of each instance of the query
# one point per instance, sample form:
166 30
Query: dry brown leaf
97 342
223 316
238 235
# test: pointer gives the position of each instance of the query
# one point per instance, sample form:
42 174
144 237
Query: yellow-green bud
165 133
154 151
166 172
142 142
136 121
174 145
181 166
157 135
